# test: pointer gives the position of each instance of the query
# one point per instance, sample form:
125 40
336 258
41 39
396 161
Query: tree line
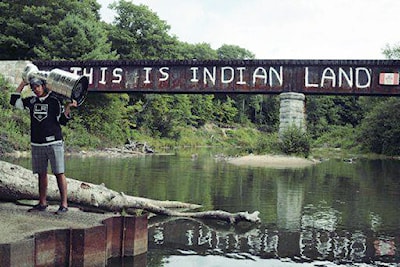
73 30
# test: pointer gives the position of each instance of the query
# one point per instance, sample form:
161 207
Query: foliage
295 141
267 143
323 111
251 140
201 51
24 23
391 52
76 38
103 115
225 112
338 136
202 107
234 52
380 130
161 115
14 130
138 33
72 30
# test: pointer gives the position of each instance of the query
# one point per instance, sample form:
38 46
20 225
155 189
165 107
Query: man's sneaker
61 210
38 207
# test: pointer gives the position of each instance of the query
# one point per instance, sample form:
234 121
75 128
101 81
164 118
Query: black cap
35 81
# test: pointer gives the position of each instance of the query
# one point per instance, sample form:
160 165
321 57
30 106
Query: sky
282 29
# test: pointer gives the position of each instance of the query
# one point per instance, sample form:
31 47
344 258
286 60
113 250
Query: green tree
202 107
201 51
323 111
380 130
76 38
139 33
234 52
104 115
225 112
163 115
391 52
24 23
269 114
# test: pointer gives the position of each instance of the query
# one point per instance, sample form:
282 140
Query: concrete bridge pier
292 111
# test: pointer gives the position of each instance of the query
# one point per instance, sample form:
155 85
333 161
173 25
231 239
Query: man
47 115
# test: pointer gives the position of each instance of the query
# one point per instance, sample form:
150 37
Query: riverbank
268 161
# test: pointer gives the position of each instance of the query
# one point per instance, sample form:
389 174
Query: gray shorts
41 155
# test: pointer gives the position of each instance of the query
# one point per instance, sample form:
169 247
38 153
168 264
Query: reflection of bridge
308 244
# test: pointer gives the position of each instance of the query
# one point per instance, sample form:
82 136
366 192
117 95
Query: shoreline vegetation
265 154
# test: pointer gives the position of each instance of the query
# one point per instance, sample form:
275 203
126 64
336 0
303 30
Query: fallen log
17 183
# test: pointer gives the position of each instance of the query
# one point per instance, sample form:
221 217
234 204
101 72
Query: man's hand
21 86
68 106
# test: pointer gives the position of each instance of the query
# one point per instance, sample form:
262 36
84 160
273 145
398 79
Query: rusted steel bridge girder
344 77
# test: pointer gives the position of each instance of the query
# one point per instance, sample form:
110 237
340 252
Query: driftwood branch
18 183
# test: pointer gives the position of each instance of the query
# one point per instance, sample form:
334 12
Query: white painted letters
216 77
211 76
306 80
328 75
194 74
268 76
262 75
147 71
117 73
103 75
231 74
241 70
164 73
366 83
343 78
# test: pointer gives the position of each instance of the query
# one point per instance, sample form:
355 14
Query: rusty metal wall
346 77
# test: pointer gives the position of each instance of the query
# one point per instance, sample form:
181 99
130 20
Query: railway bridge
291 79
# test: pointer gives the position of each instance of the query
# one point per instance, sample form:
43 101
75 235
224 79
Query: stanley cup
64 83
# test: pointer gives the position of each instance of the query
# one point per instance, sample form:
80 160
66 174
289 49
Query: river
335 213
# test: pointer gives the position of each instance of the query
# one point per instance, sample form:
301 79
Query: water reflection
290 198
334 212
182 237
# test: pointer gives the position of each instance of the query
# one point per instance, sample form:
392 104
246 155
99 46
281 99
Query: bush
295 141
267 143
380 130
337 137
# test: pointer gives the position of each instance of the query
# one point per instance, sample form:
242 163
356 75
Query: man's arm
66 116
15 99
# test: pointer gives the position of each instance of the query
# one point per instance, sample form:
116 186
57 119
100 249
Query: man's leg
57 165
62 187
43 182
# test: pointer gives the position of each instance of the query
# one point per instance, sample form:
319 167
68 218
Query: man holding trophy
47 114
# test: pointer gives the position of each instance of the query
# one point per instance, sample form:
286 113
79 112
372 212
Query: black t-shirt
47 116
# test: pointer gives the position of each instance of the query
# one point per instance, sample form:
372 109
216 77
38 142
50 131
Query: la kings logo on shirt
40 111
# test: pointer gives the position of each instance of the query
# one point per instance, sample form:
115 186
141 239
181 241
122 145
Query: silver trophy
64 83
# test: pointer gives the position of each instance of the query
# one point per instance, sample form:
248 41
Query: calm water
331 214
